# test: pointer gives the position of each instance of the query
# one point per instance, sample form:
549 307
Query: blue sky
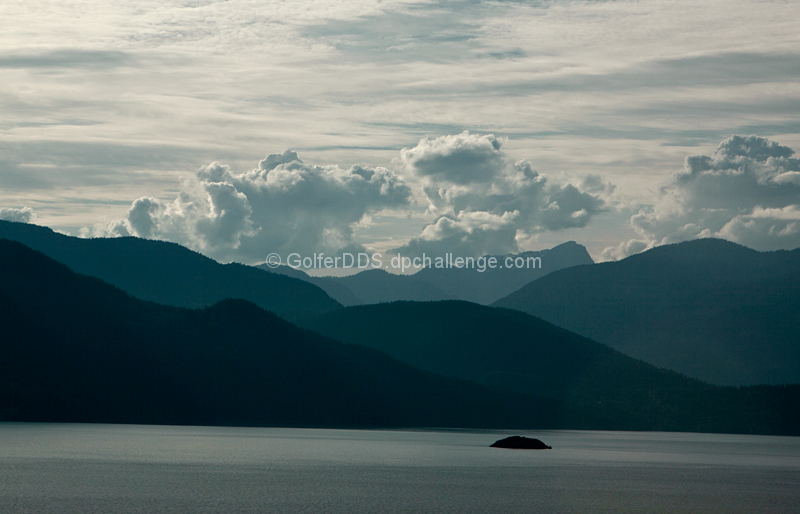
593 108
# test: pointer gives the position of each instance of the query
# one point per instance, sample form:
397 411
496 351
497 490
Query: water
54 468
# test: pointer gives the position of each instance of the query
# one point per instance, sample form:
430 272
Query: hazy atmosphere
269 256
241 128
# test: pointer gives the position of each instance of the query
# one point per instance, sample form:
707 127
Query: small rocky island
517 442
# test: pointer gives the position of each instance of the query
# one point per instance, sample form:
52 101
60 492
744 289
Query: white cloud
766 229
468 234
746 191
480 201
457 159
485 202
283 206
23 215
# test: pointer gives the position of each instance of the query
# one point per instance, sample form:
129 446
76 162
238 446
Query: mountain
708 308
492 284
369 286
446 283
593 386
170 274
75 349
378 286
330 285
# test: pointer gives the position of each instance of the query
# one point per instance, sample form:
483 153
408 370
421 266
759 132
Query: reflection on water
116 468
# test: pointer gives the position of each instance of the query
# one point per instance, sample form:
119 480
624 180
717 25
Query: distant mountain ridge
75 349
170 274
451 283
493 284
708 308
333 288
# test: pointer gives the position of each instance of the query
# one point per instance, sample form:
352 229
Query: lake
65 468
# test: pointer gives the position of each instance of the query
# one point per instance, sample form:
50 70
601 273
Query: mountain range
136 331
75 349
170 274
478 284
593 385
708 308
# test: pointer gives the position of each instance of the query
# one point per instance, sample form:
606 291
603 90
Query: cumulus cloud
485 203
284 205
766 229
747 191
23 215
458 159
470 233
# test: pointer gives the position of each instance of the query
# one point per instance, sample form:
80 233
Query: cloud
747 191
284 205
469 234
485 202
766 229
66 58
23 215
458 159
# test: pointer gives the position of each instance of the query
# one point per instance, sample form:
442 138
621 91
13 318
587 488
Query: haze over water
49 468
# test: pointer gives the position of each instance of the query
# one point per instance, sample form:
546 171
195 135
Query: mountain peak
704 249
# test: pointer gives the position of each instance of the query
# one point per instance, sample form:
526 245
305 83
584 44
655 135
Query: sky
242 128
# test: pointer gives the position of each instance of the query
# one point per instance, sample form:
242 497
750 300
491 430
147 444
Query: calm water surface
55 468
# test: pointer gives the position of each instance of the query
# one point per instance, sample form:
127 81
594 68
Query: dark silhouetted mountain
593 385
170 274
491 285
708 308
76 349
330 285
451 283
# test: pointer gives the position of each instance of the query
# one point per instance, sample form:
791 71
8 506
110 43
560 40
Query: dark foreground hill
170 274
79 350
593 386
479 283
708 308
